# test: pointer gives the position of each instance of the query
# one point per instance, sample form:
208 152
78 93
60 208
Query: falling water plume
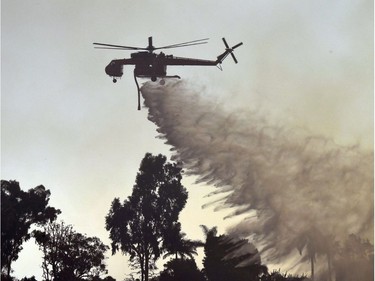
300 186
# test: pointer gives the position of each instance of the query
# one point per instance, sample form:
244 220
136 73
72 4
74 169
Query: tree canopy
176 244
221 261
19 211
181 270
68 255
355 260
139 225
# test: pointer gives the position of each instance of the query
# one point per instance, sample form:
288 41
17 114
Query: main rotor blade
189 43
112 48
178 46
235 46
119 46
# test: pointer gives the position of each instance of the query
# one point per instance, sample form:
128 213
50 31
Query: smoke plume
294 187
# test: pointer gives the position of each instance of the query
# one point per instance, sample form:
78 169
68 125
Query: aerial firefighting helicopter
153 66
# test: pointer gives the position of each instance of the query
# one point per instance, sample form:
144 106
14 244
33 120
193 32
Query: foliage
32 278
231 259
355 260
139 225
131 278
181 270
175 244
277 276
108 278
19 211
5 277
312 243
10 278
69 255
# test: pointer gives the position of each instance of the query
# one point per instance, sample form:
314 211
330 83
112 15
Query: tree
181 270
19 211
108 278
69 255
175 244
277 276
355 260
32 278
315 244
139 225
230 259
9 278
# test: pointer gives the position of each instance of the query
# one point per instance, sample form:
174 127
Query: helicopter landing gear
162 82
153 78
114 80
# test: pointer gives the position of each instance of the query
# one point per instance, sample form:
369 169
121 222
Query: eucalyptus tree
140 224
19 211
69 255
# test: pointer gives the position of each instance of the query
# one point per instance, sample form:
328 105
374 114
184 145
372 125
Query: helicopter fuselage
147 65
151 65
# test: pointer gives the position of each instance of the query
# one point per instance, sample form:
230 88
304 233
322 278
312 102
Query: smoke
291 185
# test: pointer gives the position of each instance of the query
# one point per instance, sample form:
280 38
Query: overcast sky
67 126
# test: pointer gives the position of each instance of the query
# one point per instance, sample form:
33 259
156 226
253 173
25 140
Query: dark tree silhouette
231 259
175 244
139 225
20 210
277 276
181 270
9 278
5 277
312 243
69 255
32 278
108 278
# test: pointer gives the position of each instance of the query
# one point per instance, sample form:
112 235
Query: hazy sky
65 125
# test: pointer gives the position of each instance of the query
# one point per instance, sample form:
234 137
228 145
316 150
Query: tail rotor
230 50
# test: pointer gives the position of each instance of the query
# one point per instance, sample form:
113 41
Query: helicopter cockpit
115 70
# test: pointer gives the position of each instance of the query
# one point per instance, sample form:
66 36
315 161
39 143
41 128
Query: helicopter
151 65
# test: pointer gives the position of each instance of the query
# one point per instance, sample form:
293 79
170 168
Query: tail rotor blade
230 50
234 58
235 46
225 43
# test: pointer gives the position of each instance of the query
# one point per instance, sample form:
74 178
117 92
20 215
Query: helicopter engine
115 70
